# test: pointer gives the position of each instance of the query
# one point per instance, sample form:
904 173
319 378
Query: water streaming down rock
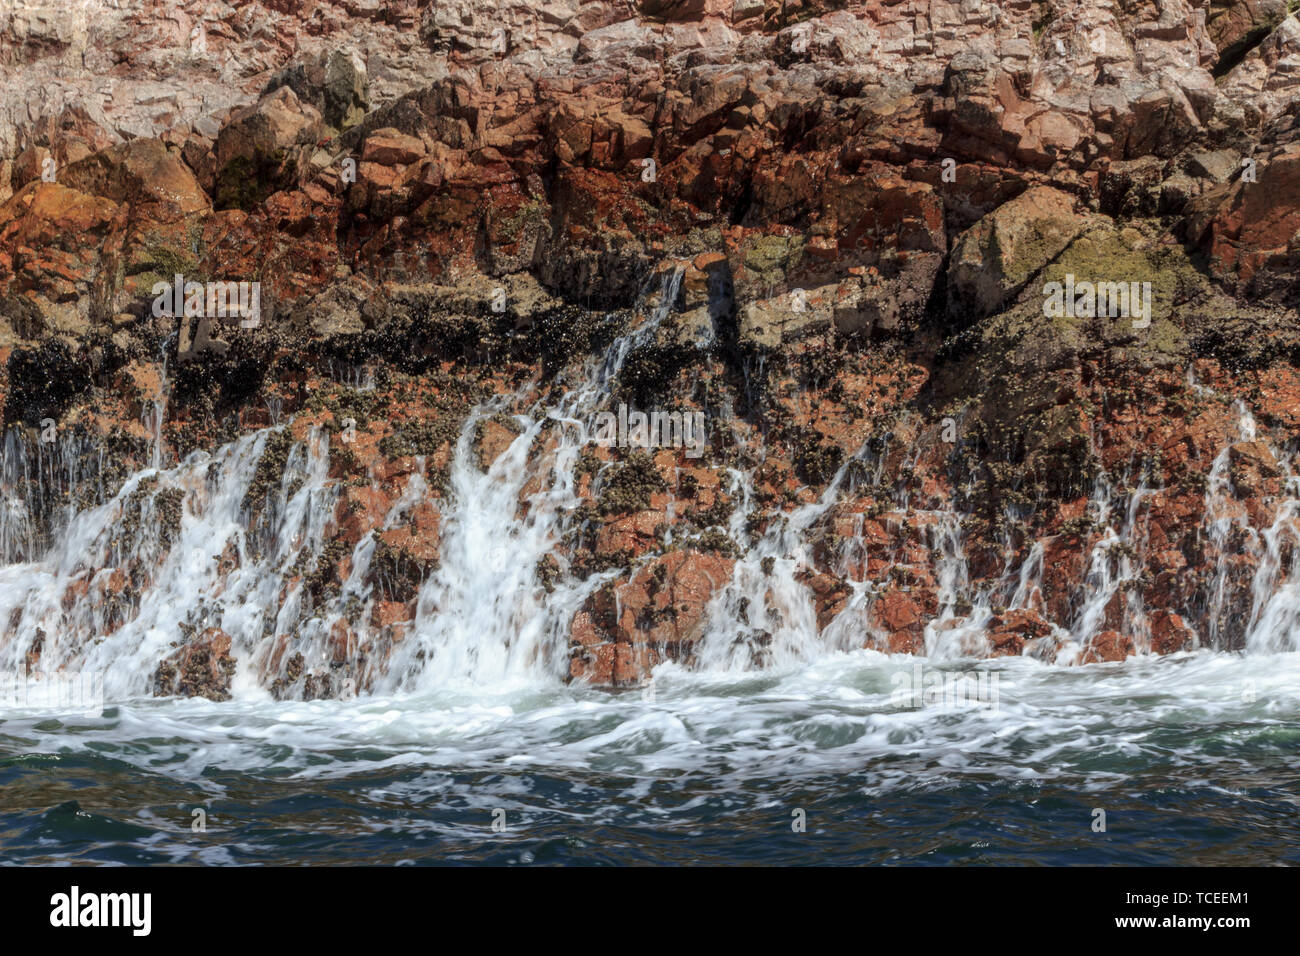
1115 561
483 619
1227 528
230 541
44 484
172 553
959 630
1275 612
1274 620
242 545
765 614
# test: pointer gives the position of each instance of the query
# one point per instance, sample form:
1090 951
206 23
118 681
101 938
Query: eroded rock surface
845 214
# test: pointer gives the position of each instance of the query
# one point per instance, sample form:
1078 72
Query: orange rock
389 147
1169 633
342 641
201 668
656 614
385 613
1009 631
1108 646
359 510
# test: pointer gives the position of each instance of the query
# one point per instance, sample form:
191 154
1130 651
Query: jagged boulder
657 614
255 151
995 259
1236 25
1248 227
346 90
201 668
146 174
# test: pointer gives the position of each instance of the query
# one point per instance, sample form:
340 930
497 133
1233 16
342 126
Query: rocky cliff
834 228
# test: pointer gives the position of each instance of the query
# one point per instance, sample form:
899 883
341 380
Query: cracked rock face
836 224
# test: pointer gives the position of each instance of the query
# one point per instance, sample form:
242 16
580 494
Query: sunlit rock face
370 347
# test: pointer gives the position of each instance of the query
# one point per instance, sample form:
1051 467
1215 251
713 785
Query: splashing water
471 706
115 584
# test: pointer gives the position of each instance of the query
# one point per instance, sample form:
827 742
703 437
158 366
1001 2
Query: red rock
29 166
359 510
1108 646
388 147
631 534
342 642
657 614
1246 228
1169 633
1008 632
903 616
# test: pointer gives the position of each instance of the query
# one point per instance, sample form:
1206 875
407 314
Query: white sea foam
835 715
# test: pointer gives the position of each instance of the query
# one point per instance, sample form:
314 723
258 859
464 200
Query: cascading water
1224 515
1275 613
1115 560
177 550
482 618
171 552
1274 623
958 631
765 616
110 579
174 552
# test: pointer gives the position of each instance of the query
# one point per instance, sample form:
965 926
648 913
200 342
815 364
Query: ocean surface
1193 759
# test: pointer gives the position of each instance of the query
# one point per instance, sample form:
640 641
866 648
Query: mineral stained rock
848 211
